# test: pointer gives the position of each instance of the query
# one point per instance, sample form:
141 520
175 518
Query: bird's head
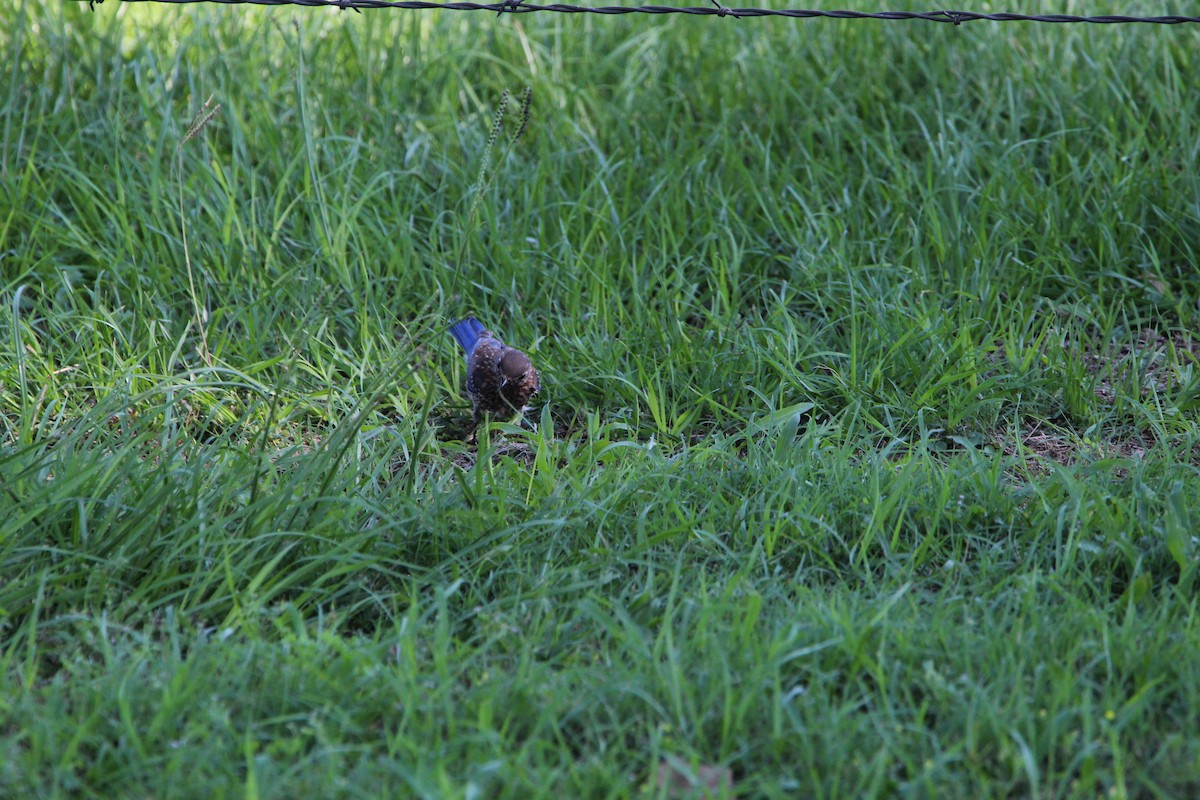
514 366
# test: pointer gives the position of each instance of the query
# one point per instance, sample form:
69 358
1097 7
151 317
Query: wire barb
723 10
508 5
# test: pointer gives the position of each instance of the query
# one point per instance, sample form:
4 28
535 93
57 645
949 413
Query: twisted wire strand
717 10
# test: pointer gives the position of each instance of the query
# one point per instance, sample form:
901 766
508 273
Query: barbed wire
717 10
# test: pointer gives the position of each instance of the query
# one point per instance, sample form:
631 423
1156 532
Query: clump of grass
864 465
205 115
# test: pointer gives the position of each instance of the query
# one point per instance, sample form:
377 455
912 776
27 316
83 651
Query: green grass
865 465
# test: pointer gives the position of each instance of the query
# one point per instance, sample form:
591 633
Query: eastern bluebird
500 380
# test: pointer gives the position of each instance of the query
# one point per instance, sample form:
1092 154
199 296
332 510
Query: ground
865 462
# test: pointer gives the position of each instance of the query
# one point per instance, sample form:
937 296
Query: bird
500 379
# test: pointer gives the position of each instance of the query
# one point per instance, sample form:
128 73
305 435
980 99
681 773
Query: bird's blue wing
466 333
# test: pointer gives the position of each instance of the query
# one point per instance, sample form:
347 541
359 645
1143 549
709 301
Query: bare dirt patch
1157 359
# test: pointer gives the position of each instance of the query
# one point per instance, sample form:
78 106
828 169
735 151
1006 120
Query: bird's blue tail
466 333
